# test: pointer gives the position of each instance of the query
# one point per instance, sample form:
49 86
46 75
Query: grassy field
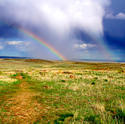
50 92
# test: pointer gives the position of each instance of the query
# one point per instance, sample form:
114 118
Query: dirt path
23 108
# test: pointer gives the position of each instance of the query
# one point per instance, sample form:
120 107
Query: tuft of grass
63 81
93 83
62 118
118 114
25 76
120 70
93 119
105 80
14 75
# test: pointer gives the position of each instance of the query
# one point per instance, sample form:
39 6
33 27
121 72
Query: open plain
56 92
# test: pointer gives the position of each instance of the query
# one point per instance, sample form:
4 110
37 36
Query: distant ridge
27 59
98 60
77 60
14 57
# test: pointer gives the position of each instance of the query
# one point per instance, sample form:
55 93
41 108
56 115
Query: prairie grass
71 92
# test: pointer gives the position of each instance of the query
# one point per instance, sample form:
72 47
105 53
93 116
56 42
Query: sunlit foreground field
49 92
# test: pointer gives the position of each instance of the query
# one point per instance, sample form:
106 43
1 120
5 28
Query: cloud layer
56 20
59 15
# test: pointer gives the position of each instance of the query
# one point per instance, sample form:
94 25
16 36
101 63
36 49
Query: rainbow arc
44 43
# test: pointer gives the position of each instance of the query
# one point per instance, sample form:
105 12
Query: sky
70 29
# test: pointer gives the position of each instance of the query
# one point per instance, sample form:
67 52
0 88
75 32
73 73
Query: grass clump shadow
93 119
120 70
25 76
62 118
119 114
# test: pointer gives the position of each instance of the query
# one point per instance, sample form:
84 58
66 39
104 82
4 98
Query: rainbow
103 47
107 54
45 44
41 41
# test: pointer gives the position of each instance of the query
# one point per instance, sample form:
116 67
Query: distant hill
30 59
98 60
26 59
13 57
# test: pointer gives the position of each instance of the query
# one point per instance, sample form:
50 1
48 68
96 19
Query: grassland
53 92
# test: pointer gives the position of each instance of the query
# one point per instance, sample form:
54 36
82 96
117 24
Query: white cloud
84 46
15 42
117 16
19 45
120 16
60 16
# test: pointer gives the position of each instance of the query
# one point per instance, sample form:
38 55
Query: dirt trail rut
23 108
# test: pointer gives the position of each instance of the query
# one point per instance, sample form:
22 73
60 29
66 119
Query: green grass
6 91
72 92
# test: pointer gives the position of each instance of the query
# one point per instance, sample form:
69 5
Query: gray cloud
56 20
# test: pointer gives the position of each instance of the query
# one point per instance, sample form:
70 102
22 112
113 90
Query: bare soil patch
22 108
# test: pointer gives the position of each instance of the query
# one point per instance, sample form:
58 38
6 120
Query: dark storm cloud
55 21
115 42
